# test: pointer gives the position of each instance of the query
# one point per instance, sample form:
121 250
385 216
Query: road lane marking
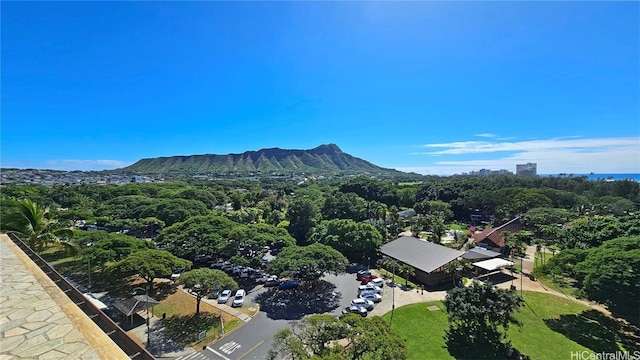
230 347
250 350
217 353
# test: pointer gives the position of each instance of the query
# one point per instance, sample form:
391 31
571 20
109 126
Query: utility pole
148 323
89 264
521 274
393 295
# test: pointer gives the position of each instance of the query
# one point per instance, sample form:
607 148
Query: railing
115 332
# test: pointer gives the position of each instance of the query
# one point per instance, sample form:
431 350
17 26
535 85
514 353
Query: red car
367 278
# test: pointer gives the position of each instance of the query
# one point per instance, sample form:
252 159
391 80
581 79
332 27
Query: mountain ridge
327 159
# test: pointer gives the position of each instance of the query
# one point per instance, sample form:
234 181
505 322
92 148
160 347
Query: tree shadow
497 278
183 329
294 304
596 331
354 268
162 290
490 346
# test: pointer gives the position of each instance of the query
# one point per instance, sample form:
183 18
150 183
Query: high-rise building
528 169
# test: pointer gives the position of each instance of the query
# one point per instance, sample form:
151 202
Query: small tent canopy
493 264
133 305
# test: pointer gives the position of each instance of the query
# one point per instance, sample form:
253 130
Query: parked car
176 274
246 273
288 284
227 266
272 281
354 309
369 287
362 273
219 264
371 295
367 304
224 296
377 282
214 294
365 279
238 300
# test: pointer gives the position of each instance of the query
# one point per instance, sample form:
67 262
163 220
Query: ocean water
607 177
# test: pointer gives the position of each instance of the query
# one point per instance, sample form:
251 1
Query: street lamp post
146 289
393 295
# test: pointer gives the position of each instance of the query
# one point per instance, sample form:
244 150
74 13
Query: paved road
279 309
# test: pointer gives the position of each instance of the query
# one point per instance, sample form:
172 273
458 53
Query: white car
369 287
176 274
371 295
377 282
238 300
367 304
224 296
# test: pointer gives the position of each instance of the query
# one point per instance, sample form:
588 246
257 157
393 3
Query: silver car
224 296
367 304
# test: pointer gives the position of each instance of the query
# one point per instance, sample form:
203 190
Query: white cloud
557 155
475 147
486 135
85 165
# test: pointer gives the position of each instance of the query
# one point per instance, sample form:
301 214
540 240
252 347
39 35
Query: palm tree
35 225
406 271
438 228
390 265
456 268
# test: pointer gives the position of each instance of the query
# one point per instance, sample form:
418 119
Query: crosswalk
219 353
194 356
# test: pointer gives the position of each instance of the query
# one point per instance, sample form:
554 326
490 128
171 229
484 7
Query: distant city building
528 169
488 172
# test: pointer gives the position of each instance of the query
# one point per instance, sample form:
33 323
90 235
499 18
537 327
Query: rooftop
419 253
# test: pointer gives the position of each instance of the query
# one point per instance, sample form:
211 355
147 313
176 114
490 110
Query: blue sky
430 87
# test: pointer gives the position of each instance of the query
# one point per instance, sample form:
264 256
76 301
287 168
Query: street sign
202 335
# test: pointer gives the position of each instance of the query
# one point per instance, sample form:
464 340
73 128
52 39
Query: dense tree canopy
591 231
476 314
201 282
148 264
339 205
356 241
101 247
610 274
219 236
308 263
349 337
303 214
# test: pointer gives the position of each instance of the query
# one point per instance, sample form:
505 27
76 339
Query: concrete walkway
38 320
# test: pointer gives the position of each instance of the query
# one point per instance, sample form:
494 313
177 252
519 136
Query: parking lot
280 307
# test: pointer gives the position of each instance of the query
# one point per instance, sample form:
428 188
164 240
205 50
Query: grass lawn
180 303
422 330
454 226
552 328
